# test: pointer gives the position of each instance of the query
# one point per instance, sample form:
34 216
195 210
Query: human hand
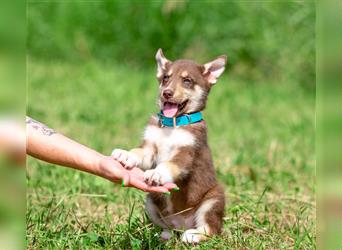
134 177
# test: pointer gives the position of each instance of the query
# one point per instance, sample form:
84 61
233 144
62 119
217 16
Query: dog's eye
165 79
187 81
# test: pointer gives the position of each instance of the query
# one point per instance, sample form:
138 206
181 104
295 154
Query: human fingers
140 184
171 186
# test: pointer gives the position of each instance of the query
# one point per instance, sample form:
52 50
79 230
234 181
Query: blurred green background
263 40
91 75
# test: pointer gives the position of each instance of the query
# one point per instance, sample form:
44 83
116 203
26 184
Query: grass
262 139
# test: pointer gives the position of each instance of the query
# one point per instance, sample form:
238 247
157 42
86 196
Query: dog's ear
213 70
162 63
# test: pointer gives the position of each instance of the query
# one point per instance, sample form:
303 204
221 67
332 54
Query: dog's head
184 84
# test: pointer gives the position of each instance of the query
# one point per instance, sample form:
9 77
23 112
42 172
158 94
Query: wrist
107 168
99 165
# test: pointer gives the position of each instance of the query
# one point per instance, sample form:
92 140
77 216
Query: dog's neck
182 120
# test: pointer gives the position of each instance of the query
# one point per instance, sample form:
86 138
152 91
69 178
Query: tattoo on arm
45 130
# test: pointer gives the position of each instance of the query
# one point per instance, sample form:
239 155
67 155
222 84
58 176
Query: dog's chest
168 141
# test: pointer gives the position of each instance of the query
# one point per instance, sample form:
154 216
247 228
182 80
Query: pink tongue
170 109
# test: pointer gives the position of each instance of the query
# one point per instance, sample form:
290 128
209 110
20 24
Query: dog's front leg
146 156
143 157
171 171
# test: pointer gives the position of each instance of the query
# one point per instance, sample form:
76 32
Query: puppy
175 149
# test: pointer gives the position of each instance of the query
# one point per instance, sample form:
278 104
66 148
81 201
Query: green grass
262 139
264 39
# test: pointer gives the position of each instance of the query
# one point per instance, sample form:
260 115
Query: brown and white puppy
181 154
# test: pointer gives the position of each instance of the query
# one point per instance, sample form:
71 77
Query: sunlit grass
262 139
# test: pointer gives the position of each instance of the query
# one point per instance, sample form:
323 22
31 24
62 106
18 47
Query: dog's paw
166 235
154 178
193 236
126 158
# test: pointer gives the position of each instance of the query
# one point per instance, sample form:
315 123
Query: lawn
262 139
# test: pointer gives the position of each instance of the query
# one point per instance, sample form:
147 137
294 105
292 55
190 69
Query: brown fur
191 167
196 180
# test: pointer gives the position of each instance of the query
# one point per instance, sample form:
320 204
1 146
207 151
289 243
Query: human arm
47 145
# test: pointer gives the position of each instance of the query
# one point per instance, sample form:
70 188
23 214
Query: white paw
128 159
166 235
192 236
154 178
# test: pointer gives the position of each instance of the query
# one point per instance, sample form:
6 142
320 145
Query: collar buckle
174 122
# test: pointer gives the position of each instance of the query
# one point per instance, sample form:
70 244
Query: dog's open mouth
171 109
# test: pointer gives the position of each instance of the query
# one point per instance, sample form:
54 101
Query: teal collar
181 120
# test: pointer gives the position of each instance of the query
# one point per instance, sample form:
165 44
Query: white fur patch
165 172
168 140
161 63
214 75
202 211
192 236
128 159
215 69
196 98
147 161
158 176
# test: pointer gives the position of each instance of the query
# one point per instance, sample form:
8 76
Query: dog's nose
167 93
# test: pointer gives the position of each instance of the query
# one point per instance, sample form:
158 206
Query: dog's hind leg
166 234
154 215
208 217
